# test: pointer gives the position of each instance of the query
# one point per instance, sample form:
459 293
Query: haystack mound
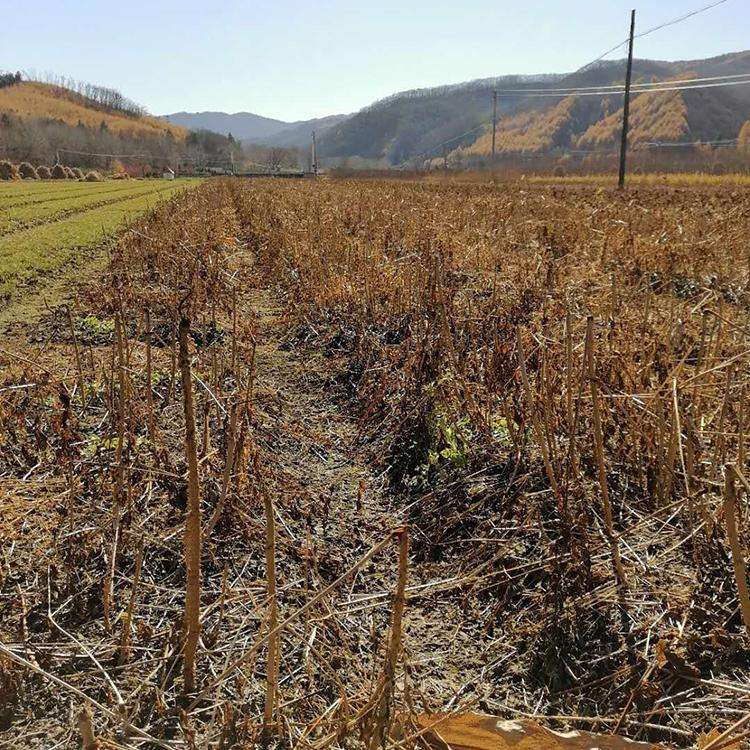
8 171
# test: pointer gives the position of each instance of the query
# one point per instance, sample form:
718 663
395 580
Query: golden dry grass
654 117
30 100
529 132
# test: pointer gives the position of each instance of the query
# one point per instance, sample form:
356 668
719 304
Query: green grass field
16 198
45 224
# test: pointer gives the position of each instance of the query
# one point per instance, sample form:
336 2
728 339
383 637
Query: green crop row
36 213
29 253
11 201
23 190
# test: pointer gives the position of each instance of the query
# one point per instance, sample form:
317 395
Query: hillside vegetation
84 124
654 117
421 124
30 99
534 131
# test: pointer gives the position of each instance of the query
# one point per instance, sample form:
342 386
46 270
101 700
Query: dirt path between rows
296 390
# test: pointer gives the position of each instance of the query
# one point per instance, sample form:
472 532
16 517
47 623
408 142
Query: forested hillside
424 124
91 126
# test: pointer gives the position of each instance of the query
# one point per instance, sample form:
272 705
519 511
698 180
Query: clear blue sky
293 59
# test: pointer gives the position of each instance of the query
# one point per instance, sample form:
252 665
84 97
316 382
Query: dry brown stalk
149 384
234 330
127 620
569 371
738 559
86 728
383 712
537 427
272 668
609 529
231 443
192 542
79 366
109 576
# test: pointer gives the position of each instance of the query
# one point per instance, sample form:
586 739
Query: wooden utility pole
626 107
494 121
314 156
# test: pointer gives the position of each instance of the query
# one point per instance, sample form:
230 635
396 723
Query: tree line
41 141
92 95
9 79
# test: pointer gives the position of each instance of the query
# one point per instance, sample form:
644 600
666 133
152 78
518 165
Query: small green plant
93 327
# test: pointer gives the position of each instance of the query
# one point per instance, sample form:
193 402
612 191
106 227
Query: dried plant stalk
383 712
272 670
149 384
535 422
86 728
79 366
192 540
228 466
609 530
738 559
128 618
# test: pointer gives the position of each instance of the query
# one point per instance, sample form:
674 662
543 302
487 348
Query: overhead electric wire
446 142
679 19
686 144
739 79
633 90
660 26
112 156
620 87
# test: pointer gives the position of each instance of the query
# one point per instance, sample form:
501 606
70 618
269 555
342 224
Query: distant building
168 174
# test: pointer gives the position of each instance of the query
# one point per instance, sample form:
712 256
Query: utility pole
314 157
494 121
626 107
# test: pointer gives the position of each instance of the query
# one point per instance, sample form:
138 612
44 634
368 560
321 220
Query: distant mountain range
426 123
250 128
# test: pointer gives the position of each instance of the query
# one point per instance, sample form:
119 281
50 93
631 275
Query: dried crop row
144 507
555 380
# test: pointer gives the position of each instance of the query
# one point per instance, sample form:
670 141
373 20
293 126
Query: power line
664 25
635 90
112 156
619 87
686 144
739 79
446 142
680 18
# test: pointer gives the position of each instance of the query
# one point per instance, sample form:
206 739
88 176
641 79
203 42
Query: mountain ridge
420 123
250 128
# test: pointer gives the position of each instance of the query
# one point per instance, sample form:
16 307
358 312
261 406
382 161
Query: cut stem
193 518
